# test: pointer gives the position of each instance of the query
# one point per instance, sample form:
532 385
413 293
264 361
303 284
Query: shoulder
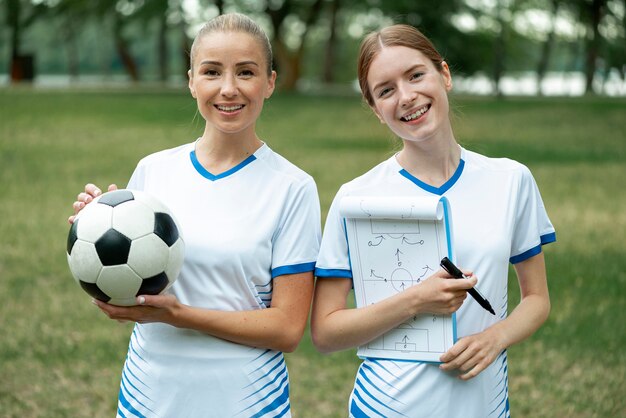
500 166
379 175
166 156
280 168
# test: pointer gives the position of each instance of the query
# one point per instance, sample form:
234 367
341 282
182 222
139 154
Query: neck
219 152
433 162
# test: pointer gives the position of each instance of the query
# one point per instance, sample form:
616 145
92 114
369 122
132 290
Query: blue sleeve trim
319 272
548 238
293 269
545 239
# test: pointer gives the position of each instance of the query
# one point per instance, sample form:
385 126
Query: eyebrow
219 64
410 70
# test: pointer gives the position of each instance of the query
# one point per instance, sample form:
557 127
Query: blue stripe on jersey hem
357 382
320 272
127 405
436 190
360 398
282 399
206 174
355 411
545 239
293 269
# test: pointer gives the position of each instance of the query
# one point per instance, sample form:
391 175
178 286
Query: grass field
60 357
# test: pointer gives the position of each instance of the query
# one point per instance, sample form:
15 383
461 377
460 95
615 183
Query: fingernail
141 300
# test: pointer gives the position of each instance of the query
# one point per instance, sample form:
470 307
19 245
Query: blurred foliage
315 41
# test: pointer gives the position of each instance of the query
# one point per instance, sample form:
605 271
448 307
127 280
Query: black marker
458 274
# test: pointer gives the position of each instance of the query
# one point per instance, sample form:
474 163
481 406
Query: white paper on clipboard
395 243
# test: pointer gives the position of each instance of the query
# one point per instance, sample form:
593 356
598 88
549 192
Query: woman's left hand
472 354
149 308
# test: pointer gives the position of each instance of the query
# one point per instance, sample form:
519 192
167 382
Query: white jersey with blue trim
498 217
242 228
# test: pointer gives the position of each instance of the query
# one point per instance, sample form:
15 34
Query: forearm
267 328
348 328
336 327
534 307
524 320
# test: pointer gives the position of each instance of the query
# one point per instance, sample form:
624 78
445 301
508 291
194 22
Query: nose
229 86
408 95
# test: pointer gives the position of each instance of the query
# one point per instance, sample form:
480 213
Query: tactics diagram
389 256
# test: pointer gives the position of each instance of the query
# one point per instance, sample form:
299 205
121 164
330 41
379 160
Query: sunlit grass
59 355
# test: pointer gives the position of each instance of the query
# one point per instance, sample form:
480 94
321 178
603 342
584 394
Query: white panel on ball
85 264
177 256
154 203
120 283
93 221
148 255
133 219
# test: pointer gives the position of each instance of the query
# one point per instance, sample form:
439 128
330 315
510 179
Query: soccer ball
123 244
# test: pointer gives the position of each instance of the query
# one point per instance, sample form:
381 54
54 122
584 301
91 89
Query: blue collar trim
204 173
436 190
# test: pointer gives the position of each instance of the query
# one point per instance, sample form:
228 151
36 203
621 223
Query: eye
211 72
384 92
417 75
246 73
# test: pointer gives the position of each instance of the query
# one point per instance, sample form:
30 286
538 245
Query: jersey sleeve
137 179
296 242
532 226
334 260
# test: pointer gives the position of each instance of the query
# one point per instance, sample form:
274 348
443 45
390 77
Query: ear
191 89
271 85
380 118
446 75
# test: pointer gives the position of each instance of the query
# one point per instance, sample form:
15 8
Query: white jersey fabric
242 228
497 217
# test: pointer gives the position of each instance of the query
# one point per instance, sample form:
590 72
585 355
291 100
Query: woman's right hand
441 293
91 192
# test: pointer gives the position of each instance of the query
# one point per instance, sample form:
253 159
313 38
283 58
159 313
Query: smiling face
409 94
229 81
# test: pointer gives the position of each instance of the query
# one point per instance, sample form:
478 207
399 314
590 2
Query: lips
415 113
229 108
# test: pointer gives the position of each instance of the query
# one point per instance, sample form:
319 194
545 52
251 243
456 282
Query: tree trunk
546 50
499 52
162 48
593 44
73 66
331 46
185 49
289 63
123 50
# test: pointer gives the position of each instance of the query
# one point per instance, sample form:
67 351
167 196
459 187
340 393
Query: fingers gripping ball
124 244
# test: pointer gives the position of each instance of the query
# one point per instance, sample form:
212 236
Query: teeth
229 108
417 114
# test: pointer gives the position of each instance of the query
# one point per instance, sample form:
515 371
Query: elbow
547 309
321 342
290 339
289 346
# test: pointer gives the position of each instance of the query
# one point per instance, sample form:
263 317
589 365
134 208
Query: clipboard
396 242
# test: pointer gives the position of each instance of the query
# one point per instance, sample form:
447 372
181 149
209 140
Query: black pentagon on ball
94 291
153 285
165 228
116 197
72 236
113 248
